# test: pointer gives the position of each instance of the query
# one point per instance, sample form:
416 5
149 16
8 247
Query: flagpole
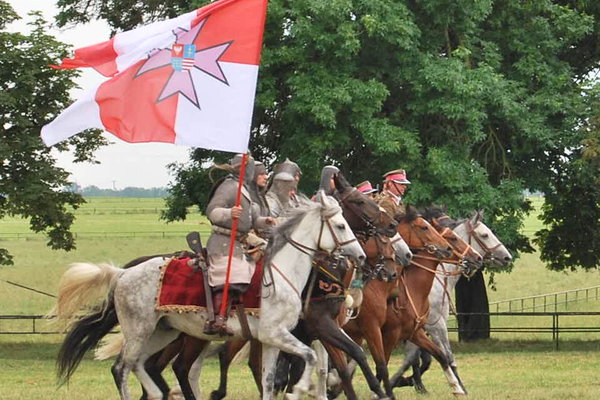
234 227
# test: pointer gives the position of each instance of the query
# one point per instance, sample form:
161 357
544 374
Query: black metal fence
550 323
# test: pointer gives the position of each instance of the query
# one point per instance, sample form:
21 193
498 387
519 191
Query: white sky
121 164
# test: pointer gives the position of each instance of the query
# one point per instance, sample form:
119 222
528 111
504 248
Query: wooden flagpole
234 227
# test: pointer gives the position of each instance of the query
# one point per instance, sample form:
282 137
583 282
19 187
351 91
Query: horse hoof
460 394
401 382
215 395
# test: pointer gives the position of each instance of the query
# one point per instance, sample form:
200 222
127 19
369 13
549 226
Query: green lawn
510 366
491 370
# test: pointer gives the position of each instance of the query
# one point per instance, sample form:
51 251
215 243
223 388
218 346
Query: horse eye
485 236
425 228
453 239
341 227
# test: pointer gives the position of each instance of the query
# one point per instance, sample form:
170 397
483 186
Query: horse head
381 258
463 254
335 235
420 235
362 212
481 237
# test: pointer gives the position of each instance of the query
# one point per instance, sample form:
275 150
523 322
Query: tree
479 101
31 94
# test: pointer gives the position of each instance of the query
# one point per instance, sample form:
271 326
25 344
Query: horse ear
477 216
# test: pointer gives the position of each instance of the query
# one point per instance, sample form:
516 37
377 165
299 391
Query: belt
227 232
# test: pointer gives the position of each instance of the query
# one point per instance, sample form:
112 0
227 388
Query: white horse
313 227
482 239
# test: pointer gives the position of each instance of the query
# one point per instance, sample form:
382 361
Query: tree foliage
31 94
478 100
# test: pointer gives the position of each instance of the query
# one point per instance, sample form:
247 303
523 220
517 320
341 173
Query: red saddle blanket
181 289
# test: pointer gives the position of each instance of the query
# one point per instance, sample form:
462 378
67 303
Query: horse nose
508 259
361 259
409 256
393 276
479 259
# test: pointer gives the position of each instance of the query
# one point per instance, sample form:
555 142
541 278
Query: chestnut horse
406 318
478 235
369 322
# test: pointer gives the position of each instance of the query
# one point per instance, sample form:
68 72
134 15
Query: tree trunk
471 297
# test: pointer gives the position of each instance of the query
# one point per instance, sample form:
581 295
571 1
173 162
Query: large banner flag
190 80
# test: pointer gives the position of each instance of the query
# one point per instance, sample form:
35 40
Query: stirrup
220 325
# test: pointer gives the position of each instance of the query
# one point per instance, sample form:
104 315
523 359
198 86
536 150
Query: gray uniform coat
218 212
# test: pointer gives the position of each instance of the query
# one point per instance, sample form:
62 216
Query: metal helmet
236 162
286 171
326 175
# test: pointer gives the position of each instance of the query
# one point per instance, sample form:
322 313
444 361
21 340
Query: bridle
325 221
472 235
377 270
371 229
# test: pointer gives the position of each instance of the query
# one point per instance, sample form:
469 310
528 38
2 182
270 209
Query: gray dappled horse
482 239
131 302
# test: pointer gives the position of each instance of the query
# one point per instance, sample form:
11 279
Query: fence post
556 328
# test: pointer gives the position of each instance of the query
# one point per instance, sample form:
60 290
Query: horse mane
292 219
409 215
435 211
341 182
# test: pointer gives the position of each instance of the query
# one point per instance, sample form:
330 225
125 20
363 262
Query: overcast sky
121 164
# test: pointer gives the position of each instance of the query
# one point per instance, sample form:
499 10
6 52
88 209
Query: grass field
506 367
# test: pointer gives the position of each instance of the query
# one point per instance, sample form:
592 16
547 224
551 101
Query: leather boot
219 325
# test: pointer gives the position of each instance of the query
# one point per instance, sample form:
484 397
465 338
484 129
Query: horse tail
82 284
84 335
111 347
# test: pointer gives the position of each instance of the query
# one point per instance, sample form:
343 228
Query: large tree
31 94
479 100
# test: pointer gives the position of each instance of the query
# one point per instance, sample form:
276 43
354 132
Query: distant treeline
94 191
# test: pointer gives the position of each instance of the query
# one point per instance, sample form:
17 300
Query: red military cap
397 175
365 187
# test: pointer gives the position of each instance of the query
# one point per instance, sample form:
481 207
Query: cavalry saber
195 242
234 227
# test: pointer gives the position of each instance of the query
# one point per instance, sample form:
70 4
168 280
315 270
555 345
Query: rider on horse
366 188
221 211
282 193
394 185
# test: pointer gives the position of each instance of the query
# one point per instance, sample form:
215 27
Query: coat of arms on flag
189 80
182 56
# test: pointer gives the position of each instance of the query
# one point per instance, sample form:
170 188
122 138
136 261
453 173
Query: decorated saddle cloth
181 288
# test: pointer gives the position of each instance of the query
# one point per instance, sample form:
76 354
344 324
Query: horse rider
394 186
260 188
221 211
282 193
365 187
327 183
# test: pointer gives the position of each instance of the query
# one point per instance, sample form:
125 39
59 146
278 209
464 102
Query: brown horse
406 318
368 325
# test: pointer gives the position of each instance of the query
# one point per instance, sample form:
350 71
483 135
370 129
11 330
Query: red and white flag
190 80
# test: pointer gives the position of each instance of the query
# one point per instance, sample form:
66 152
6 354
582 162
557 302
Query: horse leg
159 339
254 362
322 369
284 340
439 335
331 334
411 352
225 356
417 381
269 361
374 338
192 348
421 340
194 374
156 363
